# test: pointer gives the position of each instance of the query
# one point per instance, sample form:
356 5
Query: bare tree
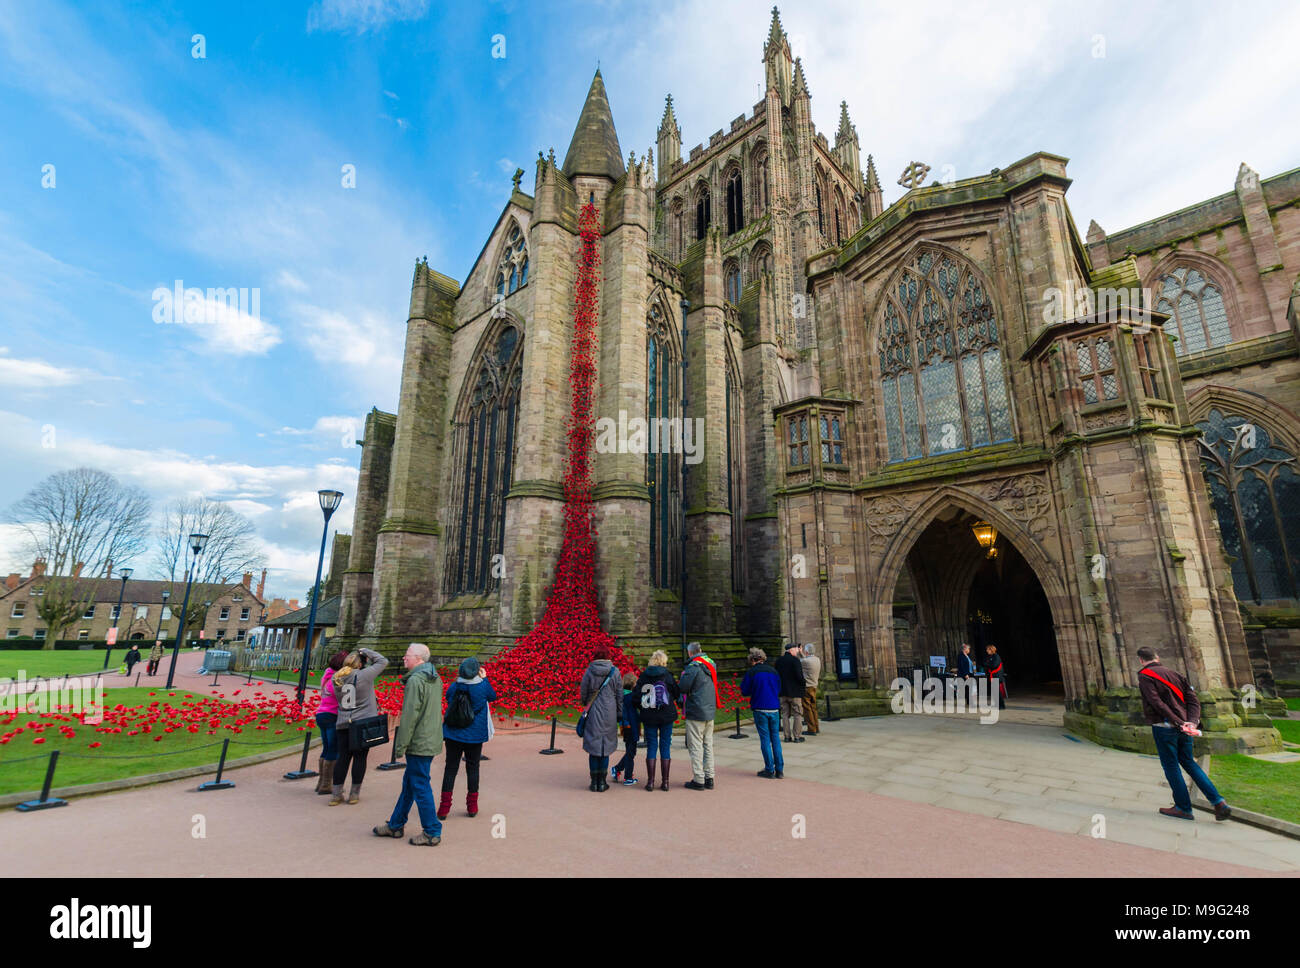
232 542
83 516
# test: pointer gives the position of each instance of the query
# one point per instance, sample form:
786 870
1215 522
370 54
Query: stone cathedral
950 419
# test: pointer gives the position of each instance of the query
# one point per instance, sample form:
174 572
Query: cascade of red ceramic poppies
542 669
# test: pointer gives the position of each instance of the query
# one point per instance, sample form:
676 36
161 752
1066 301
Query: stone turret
670 141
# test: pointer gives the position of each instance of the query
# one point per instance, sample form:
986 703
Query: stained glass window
1148 367
485 445
832 438
1095 367
732 273
940 363
663 467
1255 491
735 203
797 428
703 212
1197 310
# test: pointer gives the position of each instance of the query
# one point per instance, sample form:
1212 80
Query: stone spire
800 82
846 127
594 149
777 62
669 142
875 197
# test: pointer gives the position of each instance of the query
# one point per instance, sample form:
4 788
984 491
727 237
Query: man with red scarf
699 687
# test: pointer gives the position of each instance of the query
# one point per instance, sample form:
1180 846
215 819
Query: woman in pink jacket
327 715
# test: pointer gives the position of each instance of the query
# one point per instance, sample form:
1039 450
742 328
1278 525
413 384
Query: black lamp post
197 543
329 503
686 308
126 573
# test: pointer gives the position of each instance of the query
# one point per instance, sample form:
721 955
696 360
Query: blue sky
226 170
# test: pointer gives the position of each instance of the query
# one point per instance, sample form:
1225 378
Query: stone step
852 708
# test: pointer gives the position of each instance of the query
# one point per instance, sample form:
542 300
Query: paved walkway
904 796
1019 771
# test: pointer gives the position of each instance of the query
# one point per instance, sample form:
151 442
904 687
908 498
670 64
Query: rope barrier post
45 803
830 717
218 783
738 734
392 763
215 676
551 750
302 772
137 678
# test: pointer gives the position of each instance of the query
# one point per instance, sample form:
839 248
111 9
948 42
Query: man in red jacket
1170 705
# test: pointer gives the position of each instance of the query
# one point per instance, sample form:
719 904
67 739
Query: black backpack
460 711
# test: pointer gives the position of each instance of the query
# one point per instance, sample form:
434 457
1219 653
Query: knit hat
469 668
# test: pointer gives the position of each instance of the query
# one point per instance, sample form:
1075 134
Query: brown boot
664 764
324 771
650 772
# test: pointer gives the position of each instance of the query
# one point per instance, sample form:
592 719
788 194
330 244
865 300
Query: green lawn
1289 728
1268 788
23 763
1293 702
51 663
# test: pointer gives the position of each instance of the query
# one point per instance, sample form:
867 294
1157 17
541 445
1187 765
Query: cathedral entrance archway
950 591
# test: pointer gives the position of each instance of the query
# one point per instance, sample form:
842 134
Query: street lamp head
166 594
126 573
330 501
198 542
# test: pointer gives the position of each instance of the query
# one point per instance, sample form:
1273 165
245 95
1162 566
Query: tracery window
1148 366
1255 490
1197 311
485 449
703 212
731 277
663 463
512 271
735 203
941 368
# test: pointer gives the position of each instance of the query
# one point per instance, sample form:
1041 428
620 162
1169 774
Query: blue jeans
657 740
416 789
768 725
329 739
597 764
1175 749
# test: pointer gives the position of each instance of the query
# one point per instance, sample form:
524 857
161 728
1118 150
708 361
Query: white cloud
362 15
228 326
34 374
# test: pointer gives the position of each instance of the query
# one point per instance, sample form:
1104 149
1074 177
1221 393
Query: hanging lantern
987 536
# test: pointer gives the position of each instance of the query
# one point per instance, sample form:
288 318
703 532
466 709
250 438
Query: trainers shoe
383 830
630 781
1222 811
692 785
424 840
1175 812
767 774
780 775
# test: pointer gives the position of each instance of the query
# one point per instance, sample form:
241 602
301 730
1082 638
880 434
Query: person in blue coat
965 663
762 684
468 741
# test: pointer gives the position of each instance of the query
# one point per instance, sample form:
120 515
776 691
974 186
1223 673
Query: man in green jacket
419 740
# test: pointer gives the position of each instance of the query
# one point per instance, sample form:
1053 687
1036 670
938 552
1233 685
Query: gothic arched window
676 241
821 217
731 277
1196 307
703 211
735 477
1256 495
735 203
940 363
485 450
839 216
663 470
761 260
512 270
